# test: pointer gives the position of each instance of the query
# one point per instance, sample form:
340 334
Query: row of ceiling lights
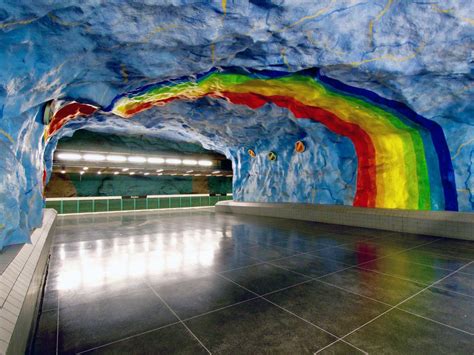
159 172
90 157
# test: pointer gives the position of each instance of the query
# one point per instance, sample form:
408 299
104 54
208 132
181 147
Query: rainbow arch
403 158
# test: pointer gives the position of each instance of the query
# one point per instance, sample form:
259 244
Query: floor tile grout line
436 267
57 328
395 307
288 311
391 305
178 317
318 279
310 253
349 267
434 321
438 254
129 337
220 309
417 281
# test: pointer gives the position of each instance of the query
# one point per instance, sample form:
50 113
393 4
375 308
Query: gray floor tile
257 327
383 288
398 332
198 296
173 339
444 306
403 268
328 307
310 265
264 278
96 323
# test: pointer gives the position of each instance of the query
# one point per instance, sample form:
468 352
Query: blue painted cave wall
419 53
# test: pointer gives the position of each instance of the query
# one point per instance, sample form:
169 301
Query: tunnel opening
98 172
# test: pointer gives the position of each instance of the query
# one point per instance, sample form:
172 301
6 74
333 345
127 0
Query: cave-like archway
403 158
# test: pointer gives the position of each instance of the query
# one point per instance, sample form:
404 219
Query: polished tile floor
200 282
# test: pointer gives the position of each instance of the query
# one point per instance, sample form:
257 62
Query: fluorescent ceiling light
146 174
99 173
116 173
125 169
136 159
85 168
189 171
197 174
93 157
63 171
159 170
154 160
69 156
185 174
173 161
216 172
190 162
116 158
132 173
159 174
81 172
205 162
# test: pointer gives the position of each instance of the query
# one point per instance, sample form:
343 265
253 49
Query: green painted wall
72 185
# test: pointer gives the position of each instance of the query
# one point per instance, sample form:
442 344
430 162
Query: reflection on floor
198 282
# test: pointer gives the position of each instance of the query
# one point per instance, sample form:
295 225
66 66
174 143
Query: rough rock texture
418 53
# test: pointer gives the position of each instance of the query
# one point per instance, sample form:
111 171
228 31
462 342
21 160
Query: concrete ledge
458 225
21 281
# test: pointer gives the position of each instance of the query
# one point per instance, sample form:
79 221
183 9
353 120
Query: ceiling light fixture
63 171
125 169
216 172
85 168
159 170
116 173
189 171
116 158
93 157
173 161
146 174
132 173
205 162
81 173
155 160
99 173
69 156
136 159
190 162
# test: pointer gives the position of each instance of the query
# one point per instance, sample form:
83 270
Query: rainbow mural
403 158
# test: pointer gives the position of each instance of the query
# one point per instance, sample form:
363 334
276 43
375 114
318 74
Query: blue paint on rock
416 53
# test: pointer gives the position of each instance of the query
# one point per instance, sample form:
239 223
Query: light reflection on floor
129 259
155 282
